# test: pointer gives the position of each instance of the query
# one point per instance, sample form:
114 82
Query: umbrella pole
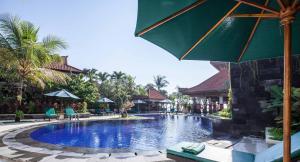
287 91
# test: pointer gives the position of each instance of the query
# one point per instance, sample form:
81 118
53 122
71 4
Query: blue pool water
130 135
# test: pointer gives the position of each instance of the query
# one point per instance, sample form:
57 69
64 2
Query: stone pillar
221 102
204 106
194 106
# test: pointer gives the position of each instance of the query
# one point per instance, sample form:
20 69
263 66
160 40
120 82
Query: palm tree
23 57
91 74
160 82
103 76
118 75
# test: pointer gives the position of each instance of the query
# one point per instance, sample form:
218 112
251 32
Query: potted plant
19 115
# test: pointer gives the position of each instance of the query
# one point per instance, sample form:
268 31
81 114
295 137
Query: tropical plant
275 105
80 87
126 106
180 100
149 85
102 77
229 95
277 133
23 57
19 115
117 75
226 113
160 82
83 107
140 90
91 74
120 87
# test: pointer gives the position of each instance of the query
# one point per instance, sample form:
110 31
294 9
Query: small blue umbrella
62 93
105 100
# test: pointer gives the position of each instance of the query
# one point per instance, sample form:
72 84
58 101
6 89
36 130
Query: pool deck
16 146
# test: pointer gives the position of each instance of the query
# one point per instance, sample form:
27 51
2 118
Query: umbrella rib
252 34
295 3
263 7
255 15
178 13
281 4
210 30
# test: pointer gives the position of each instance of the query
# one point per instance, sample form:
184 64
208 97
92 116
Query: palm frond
10 27
53 43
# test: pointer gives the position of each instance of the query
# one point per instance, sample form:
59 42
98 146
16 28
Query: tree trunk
20 95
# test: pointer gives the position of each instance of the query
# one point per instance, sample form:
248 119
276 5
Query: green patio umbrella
226 30
106 101
63 94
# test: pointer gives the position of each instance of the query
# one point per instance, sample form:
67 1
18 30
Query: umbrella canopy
226 30
214 30
139 101
62 93
105 100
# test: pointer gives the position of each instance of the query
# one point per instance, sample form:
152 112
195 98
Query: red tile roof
154 94
63 66
218 83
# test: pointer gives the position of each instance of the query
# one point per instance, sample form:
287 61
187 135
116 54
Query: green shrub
226 113
19 114
277 133
83 107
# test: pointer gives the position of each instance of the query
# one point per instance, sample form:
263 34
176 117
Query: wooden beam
251 34
266 8
180 12
210 30
255 15
287 92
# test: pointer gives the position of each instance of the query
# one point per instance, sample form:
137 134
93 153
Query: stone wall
250 82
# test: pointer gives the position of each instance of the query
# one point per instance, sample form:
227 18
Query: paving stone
122 155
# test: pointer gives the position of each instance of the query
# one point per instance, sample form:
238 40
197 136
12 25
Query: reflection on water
132 135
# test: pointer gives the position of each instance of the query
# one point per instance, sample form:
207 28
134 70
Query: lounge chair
213 154
70 113
50 113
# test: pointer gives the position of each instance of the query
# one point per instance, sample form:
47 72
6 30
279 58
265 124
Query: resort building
211 94
63 66
153 100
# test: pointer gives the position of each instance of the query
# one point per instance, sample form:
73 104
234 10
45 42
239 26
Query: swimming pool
126 135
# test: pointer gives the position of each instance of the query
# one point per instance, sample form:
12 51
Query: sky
100 35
